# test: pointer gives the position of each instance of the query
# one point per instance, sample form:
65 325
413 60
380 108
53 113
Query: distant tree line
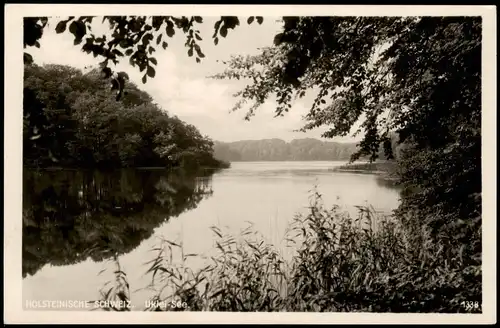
306 149
84 126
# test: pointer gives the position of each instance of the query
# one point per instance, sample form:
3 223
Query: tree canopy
132 37
83 125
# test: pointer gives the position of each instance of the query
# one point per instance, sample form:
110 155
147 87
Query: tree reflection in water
71 215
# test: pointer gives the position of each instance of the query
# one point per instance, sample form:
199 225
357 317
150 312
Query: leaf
164 45
217 293
198 51
61 27
128 52
223 31
27 58
250 20
123 75
190 52
216 230
259 19
153 60
198 19
217 25
44 21
51 156
151 71
216 41
231 21
107 72
147 38
172 243
144 79
78 29
124 44
117 52
198 37
278 39
170 31
158 39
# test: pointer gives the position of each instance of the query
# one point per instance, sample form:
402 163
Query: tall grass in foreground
371 263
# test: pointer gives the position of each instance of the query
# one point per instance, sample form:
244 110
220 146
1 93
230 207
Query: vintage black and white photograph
174 161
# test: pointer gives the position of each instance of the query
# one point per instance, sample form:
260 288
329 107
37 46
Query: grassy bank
371 263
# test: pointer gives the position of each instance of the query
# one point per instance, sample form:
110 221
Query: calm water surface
73 221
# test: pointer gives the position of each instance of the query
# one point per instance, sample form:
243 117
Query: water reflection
389 183
70 215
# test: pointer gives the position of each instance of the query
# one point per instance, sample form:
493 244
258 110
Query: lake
74 221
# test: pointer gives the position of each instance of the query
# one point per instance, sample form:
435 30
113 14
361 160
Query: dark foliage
72 119
133 37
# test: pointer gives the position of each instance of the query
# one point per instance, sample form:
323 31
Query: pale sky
181 85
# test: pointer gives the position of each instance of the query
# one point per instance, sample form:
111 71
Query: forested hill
72 119
306 149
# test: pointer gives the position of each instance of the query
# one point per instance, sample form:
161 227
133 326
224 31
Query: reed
371 263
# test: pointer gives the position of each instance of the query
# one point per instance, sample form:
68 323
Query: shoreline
386 170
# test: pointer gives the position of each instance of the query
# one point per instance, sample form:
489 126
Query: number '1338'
470 305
